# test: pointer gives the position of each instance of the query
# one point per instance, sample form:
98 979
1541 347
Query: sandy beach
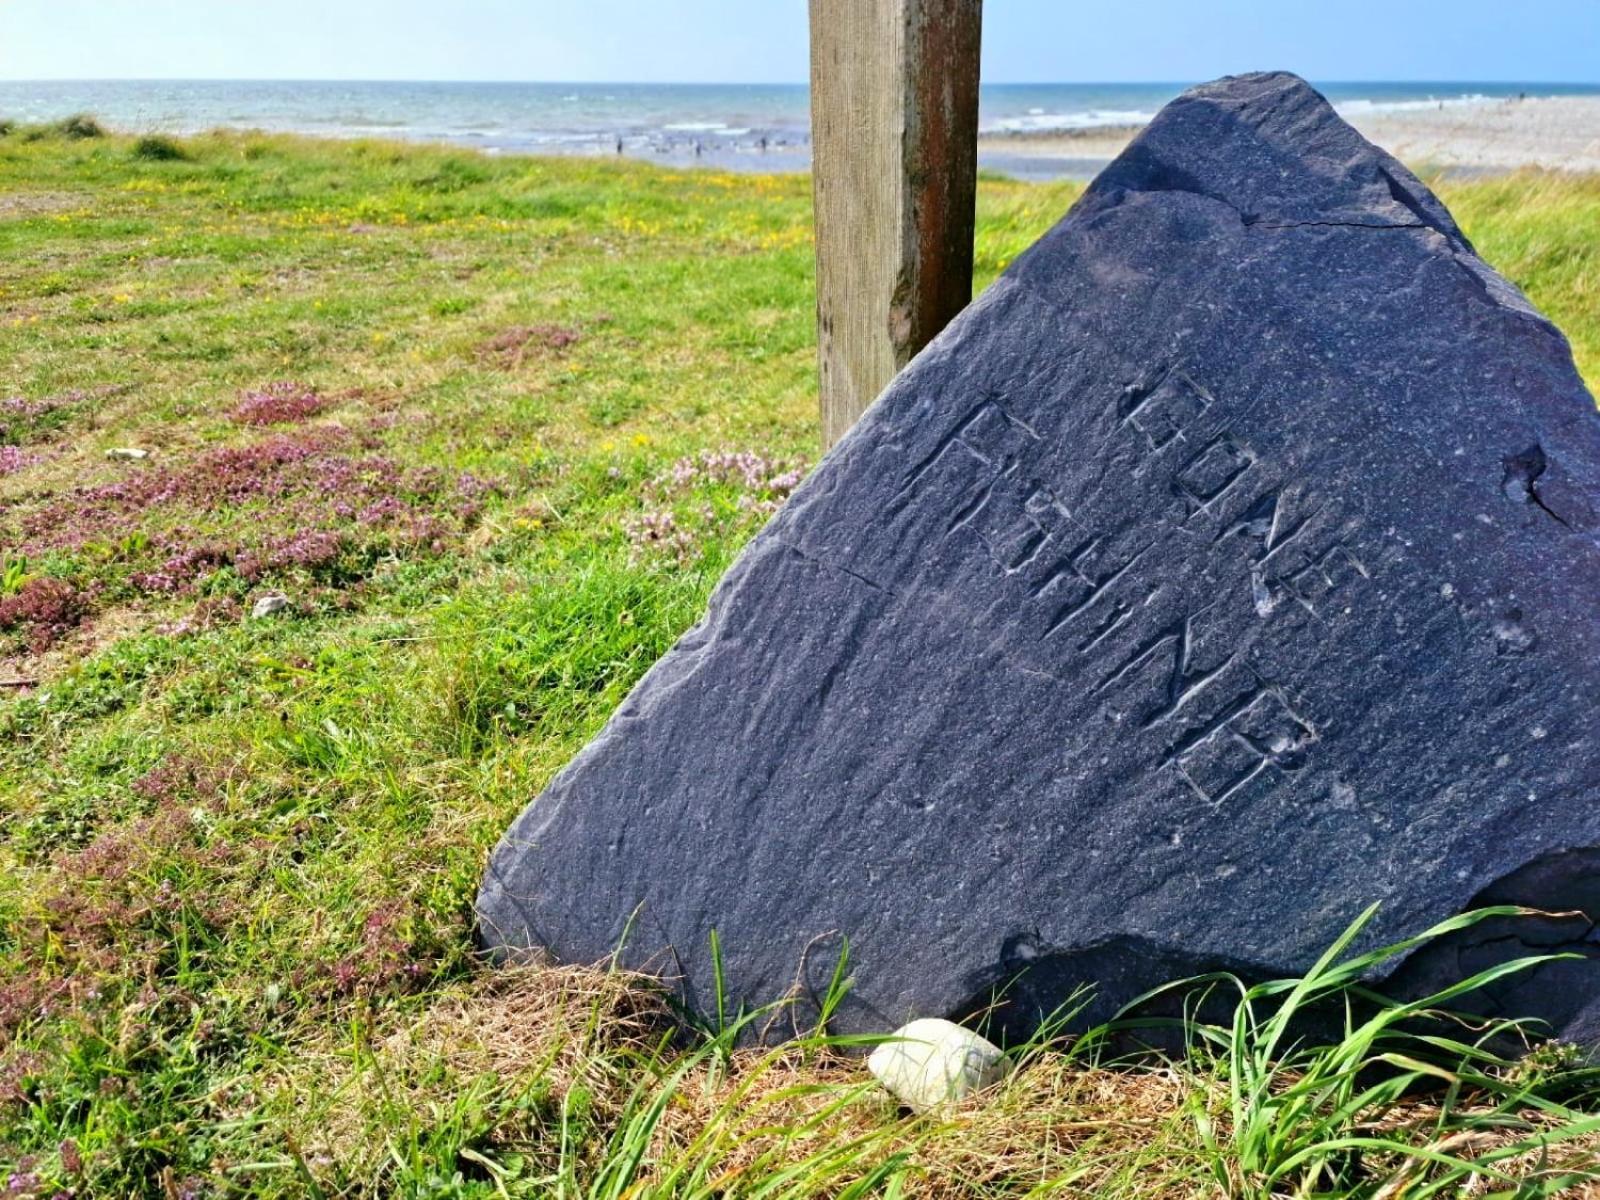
1557 132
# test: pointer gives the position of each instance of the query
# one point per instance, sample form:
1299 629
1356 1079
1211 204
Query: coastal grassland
492 428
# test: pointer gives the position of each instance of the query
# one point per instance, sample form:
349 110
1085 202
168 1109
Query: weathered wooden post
894 134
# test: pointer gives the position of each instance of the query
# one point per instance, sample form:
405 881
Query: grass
492 427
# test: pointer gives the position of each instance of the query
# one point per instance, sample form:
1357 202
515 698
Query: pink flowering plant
324 506
27 424
707 498
14 459
42 611
42 419
281 403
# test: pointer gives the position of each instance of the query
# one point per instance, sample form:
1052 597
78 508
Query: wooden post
894 135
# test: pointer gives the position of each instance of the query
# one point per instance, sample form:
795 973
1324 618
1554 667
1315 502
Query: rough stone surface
1230 564
931 1062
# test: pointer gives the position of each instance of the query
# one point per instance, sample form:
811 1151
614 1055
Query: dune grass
492 428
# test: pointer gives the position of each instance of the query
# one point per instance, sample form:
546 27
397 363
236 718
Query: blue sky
765 40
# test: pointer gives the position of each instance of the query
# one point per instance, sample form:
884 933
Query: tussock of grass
78 127
237 856
157 148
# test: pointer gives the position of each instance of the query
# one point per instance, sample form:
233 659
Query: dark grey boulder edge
1229 565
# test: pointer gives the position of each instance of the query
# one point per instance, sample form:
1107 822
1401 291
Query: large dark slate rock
1229 565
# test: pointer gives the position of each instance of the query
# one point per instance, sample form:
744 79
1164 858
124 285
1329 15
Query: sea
755 127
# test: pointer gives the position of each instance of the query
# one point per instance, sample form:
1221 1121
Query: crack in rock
1522 478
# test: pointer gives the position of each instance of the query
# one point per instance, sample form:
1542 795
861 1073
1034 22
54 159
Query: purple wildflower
14 459
278 404
45 610
760 486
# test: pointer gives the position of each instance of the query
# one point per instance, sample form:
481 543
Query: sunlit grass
238 855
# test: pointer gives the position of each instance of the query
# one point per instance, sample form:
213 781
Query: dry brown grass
527 1049
569 1035
1053 1120
554 1030
1074 1129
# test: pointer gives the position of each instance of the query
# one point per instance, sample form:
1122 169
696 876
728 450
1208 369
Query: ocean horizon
736 126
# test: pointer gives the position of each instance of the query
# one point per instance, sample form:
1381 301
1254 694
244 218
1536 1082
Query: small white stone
932 1062
272 602
133 453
